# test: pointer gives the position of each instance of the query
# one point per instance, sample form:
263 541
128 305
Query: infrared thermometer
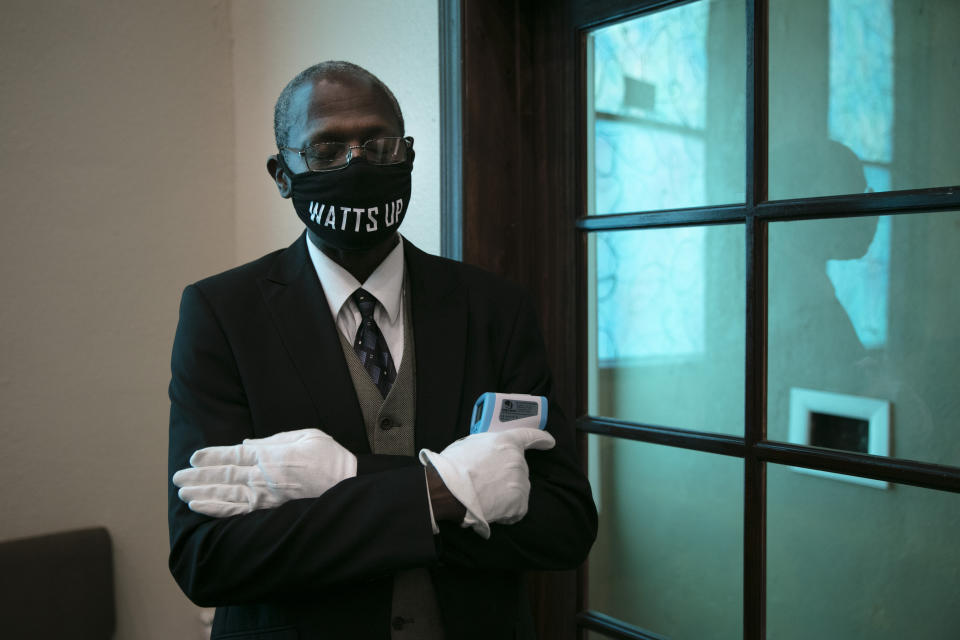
503 411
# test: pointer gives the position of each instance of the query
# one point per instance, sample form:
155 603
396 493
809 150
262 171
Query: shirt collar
385 283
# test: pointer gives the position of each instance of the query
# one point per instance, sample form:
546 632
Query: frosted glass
668 560
866 308
667 115
863 96
667 326
848 561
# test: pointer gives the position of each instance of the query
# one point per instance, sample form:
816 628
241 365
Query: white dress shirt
385 284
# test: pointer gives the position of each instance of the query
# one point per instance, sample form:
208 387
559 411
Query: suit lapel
439 313
296 301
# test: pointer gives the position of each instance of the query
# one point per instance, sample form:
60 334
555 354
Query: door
741 223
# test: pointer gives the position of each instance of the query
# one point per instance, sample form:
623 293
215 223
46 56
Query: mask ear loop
283 164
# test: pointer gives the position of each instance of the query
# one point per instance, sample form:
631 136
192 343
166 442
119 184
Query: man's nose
355 151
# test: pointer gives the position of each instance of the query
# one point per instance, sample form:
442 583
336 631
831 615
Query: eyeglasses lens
325 156
385 150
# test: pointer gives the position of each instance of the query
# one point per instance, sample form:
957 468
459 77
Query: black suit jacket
256 352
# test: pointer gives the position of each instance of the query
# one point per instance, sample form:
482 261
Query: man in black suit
306 382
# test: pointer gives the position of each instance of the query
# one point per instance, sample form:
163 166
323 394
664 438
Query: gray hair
331 69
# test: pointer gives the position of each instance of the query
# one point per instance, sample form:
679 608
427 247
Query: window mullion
754 508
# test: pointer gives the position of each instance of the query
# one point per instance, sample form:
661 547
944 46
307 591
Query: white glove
488 474
263 473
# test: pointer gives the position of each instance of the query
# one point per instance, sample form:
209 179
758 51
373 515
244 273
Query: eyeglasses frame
407 139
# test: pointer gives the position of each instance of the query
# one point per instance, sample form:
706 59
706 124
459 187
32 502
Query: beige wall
134 136
113 114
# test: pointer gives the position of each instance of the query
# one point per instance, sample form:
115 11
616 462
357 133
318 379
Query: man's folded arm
362 528
556 533
561 521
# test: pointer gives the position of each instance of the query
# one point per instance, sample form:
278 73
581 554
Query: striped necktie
371 346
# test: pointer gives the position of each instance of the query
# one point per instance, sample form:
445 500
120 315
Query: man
318 487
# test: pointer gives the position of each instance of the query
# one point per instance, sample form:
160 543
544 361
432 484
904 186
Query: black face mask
354 208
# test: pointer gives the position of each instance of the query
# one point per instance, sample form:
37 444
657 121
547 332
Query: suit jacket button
386 424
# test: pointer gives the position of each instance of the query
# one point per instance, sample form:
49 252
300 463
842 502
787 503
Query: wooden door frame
510 191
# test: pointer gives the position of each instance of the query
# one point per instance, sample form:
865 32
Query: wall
135 137
275 41
117 190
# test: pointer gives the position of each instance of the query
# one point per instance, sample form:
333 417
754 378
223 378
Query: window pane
668 555
863 96
863 329
666 315
667 115
846 561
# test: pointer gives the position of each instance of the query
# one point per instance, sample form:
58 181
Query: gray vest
389 422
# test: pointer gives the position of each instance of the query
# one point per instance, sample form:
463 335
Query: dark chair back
58 586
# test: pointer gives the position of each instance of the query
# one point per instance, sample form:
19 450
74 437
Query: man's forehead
328 98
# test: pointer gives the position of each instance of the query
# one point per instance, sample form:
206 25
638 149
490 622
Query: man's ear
279 176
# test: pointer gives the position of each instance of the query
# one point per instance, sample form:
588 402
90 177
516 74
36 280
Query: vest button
386 424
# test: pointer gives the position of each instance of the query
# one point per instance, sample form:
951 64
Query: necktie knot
366 303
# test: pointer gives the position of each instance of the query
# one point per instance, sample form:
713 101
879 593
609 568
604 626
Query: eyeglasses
330 156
